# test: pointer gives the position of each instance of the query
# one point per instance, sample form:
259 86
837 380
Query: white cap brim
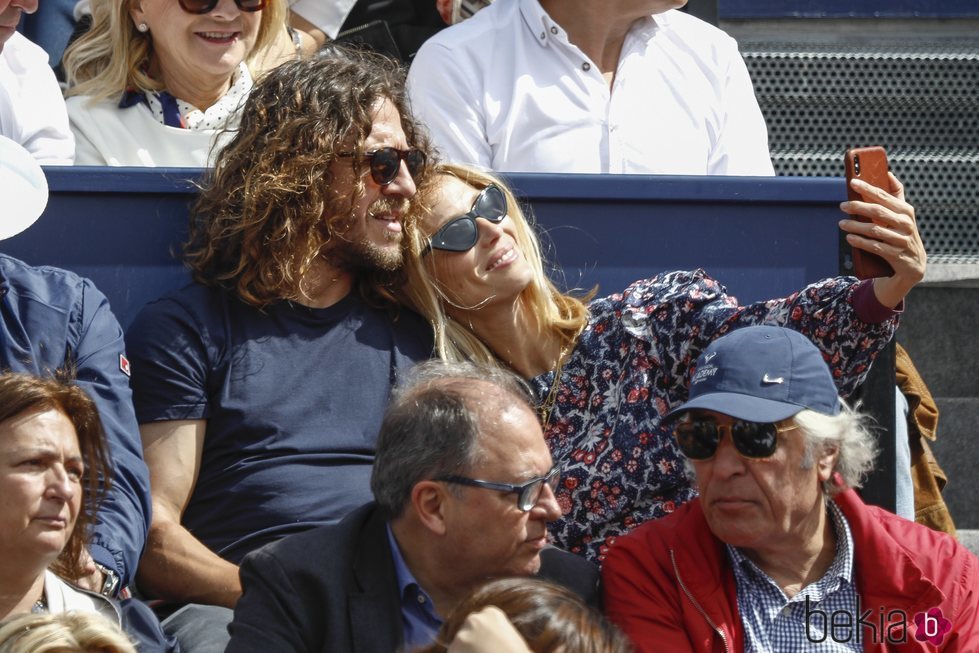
25 189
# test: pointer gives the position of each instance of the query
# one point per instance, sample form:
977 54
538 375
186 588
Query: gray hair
431 427
849 434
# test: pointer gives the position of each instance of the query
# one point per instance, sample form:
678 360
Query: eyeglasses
461 234
385 163
207 6
699 438
528 494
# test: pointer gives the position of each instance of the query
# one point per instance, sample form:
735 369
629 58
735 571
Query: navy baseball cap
761 374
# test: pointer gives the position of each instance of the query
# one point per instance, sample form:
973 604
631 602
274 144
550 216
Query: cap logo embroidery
703 373
768 379
709 357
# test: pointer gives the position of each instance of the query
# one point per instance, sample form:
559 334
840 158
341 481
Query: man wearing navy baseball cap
779 553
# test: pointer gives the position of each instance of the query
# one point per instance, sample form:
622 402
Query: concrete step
957 451
970 538
938 329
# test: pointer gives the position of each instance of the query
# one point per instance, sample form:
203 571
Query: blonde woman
67 632
156 82
606 371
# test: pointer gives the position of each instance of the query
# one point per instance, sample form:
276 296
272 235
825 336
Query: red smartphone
870 165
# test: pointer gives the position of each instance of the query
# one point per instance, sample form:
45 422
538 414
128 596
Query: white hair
849 434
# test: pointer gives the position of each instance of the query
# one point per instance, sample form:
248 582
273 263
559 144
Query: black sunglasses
386 161
699 437
528 494
207 6
461 234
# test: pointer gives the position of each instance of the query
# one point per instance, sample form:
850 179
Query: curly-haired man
260 388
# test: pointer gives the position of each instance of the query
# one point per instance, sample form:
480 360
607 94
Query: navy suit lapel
375 607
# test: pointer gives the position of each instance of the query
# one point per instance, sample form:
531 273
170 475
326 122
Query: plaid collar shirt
774 623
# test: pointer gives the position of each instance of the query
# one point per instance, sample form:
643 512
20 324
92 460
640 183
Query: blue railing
847 9
761 237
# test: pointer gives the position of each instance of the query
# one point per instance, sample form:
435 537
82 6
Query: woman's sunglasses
461 234
207 6
699 437
386 161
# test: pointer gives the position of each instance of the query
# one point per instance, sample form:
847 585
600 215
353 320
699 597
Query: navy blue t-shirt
293 397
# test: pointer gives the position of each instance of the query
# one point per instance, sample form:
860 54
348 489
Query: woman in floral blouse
605 372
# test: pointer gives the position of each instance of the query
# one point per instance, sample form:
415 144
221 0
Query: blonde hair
66 632
112 55
558 313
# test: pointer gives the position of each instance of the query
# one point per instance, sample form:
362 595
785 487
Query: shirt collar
176 111
406 580
842 565
543 28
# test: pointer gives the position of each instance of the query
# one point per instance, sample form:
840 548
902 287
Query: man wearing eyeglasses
779 553
463 488
261 387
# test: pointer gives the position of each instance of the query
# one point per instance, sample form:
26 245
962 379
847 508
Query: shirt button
553 30
787 611
543 35
586 66
421 599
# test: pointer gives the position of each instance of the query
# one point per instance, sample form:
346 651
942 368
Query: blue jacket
49 317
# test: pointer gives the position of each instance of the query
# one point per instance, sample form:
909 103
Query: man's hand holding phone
884 224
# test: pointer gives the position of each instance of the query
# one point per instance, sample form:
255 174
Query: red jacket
670 587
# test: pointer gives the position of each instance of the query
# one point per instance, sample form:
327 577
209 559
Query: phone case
870 165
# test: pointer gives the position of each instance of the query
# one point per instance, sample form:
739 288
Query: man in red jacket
778 553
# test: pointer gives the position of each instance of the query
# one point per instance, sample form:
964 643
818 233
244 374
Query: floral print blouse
631 366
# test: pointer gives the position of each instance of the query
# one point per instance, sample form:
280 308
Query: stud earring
143 27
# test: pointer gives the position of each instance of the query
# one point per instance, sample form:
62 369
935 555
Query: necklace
547 406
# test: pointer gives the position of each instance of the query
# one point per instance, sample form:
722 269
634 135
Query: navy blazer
334 589
52 318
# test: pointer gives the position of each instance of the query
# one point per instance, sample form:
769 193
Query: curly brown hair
21 393
269 207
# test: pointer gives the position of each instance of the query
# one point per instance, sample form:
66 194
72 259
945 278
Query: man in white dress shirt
32 111
620 86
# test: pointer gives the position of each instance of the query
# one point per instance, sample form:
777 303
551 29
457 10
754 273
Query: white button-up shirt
327 15
32 111
506 90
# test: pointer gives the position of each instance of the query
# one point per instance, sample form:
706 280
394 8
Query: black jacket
334 589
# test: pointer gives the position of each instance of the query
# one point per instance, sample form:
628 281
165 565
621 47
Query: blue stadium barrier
761 237
873 9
